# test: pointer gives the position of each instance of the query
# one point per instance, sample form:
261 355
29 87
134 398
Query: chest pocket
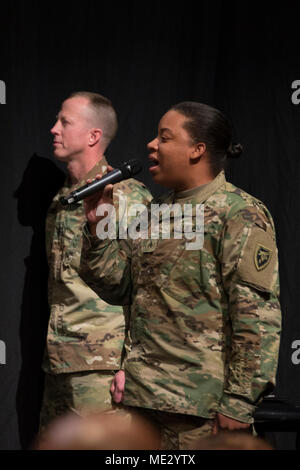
185 283
153 261
70 237
168 266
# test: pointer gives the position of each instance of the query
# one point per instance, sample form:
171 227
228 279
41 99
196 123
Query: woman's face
171 152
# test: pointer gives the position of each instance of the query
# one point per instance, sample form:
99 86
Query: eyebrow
166 129
61 116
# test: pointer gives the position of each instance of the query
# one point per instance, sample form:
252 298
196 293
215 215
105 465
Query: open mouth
154 163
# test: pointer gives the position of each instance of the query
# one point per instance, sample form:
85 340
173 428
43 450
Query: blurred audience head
231 440
105 431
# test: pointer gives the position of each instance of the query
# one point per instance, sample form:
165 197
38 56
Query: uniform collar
100 167
203 192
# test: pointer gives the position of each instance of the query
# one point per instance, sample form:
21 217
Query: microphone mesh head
131 167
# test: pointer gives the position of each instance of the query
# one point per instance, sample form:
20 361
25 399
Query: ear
198 151
95 135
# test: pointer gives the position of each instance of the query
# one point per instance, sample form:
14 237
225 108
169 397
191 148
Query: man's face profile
71 130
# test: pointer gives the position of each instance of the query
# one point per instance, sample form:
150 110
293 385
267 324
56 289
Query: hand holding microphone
127 170
100 190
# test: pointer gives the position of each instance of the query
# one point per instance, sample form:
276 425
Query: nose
151 146
54 130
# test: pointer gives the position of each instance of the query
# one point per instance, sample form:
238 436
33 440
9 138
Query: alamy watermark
2 352
2 92
296 94
296 353
164 221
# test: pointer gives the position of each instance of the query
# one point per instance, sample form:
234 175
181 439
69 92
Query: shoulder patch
258 262
262 256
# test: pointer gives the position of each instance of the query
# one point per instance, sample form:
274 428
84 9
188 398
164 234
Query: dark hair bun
234 151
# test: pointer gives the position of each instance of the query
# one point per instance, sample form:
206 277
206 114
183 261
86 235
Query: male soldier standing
205 320
85 334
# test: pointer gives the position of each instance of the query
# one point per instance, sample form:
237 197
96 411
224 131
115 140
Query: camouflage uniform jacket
84 332
205 324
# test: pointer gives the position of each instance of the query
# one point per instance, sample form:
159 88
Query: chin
62 158
163 182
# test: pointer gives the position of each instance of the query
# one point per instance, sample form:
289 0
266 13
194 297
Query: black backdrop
241 57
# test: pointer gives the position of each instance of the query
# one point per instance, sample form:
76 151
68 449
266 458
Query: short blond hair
105 115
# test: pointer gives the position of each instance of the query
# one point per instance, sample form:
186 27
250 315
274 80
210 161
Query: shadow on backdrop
41 181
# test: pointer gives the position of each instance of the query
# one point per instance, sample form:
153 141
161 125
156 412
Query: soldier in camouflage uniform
85 334
205 323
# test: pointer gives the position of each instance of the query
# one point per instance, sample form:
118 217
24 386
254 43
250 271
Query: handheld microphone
127 170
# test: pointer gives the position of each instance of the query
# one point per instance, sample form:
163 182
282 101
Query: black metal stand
276 416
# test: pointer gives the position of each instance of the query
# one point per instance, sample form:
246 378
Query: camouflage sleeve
106 264
129 192
133 192
106 267
250 277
